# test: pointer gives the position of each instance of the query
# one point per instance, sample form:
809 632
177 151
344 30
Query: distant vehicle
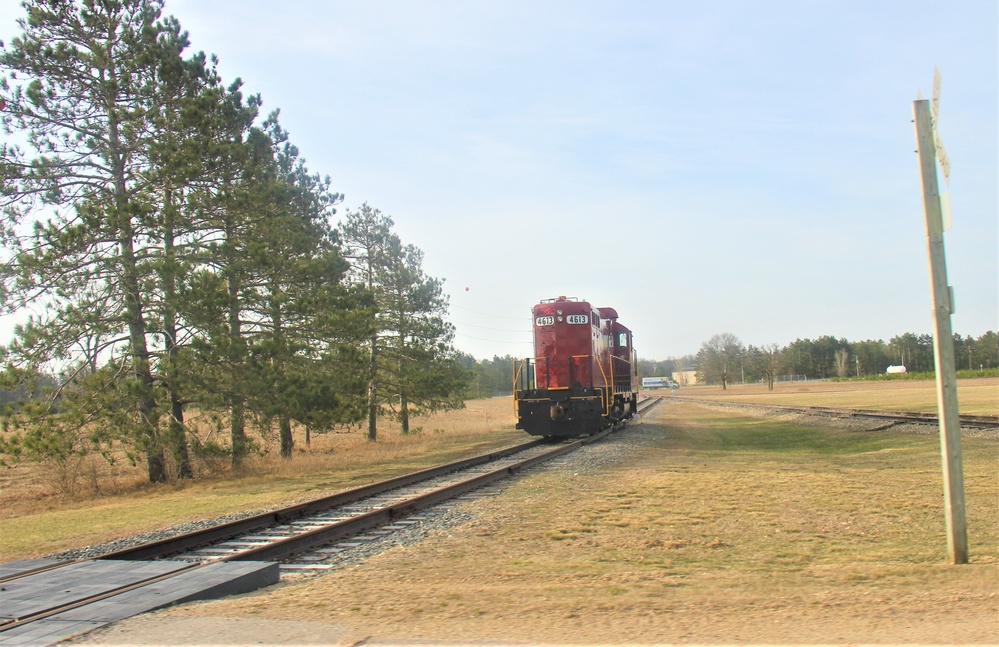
895 370
582 377
658 383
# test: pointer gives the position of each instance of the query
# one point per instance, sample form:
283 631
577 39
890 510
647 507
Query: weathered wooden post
942 299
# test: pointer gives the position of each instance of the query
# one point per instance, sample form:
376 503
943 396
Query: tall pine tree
410 358
80 85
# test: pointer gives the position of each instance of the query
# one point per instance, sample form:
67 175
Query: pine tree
410 358
178 154
426 374
80 84
368 242
217 293
300 276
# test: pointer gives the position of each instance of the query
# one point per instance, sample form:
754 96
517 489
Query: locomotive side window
622 340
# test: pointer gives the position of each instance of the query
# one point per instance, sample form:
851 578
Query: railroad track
898 417
179 545
308 527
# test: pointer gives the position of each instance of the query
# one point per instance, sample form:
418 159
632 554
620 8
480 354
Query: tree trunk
373 392
176 434
177 440
284 431
403 398
237 422
237 432
280 353
148 426
404 412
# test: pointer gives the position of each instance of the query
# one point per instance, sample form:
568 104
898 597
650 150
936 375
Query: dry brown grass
36 521
482 423
978 396
721 529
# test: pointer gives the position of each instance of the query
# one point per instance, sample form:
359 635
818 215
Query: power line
496 341
463 323
486 314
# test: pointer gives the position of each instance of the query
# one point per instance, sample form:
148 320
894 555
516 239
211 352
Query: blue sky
701 167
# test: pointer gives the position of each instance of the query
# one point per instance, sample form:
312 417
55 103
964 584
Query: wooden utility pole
942 299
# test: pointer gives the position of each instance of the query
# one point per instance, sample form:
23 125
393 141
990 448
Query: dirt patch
704 528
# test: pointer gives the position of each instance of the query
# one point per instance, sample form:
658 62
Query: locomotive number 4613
572 319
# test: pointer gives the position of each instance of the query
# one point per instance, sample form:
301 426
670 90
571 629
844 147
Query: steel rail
39 569
328 534
188 541
96 597
312 539
967 420
256 523
309 540
174 545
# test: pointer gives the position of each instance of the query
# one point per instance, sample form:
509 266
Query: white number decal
577 319
544 321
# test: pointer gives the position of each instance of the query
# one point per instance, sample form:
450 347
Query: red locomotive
583 376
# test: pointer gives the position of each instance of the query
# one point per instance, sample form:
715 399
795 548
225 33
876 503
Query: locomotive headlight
558 312
560 318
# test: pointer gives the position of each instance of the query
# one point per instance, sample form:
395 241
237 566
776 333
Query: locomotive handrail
606 399
575 357
527 361
622 375
518 368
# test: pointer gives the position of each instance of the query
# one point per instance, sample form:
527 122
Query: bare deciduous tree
719 357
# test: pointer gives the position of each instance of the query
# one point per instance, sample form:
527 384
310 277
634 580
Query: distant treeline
724 359
489 377
724 356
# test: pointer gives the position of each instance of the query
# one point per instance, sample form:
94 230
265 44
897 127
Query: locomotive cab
582 377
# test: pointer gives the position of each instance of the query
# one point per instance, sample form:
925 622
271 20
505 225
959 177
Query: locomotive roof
606 313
